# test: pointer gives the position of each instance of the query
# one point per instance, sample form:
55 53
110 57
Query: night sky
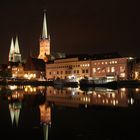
75 26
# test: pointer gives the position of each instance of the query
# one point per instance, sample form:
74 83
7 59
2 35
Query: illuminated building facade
18 71
115 68
44 51
136 69
14 54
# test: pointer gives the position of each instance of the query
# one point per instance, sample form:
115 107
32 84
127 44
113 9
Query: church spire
44 31
12 50
11 47
17 46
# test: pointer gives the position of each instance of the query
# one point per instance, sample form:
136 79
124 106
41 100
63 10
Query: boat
86 82
92 82
65 82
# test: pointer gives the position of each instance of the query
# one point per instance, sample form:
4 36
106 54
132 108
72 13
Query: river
52 113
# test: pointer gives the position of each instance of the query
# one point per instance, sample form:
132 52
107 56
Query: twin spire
14 54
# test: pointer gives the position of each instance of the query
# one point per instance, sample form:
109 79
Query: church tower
44 51
14 54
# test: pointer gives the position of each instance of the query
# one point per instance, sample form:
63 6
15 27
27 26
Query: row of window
85 65
68 72
99 70
106 62
108 69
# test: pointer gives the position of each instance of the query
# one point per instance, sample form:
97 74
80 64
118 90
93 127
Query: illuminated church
14 54
44 50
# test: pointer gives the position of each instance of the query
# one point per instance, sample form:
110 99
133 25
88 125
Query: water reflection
31 107
97 96
28 110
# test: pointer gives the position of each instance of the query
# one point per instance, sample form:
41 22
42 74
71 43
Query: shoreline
113 84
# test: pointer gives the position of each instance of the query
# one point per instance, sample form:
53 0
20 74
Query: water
47 113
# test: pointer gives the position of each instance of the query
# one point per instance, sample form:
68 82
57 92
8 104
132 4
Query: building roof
92 56
35 64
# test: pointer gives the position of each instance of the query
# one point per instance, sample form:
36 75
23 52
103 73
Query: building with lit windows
136 69
77 68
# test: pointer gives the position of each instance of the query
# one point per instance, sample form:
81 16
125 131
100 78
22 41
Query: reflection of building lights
114 102
13 87
113 95
107 101
131 101
99 96
45 114
29 89
137 89
123 89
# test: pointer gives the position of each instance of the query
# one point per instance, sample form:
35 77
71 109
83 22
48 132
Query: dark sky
75 26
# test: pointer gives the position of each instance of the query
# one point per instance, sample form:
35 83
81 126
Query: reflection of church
33 101
14 109
45 119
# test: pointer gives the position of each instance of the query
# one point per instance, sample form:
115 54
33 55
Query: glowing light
137 89
131 101
123 89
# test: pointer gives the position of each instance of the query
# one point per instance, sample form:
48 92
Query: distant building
44 50
80 67
34 68
136 69
17 70
14 54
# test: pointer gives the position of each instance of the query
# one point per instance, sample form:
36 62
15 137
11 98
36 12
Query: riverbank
113 84
26 82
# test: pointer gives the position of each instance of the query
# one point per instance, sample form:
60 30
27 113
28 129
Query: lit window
136 74
94 70
122 68
108 69
122 75
113 69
